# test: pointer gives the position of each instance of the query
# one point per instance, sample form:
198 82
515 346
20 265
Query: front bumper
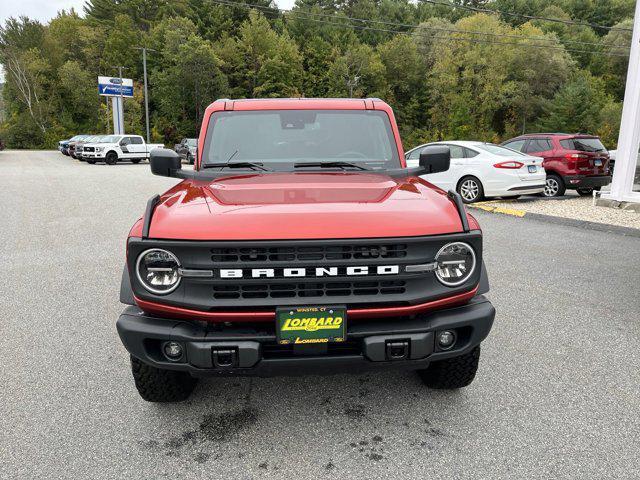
255 351
584 181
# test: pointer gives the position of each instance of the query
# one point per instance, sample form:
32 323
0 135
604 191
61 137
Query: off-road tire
111 158
135 160
157 385
452 373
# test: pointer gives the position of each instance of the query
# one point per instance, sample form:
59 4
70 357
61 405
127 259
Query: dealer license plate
597 162
533 169
311 325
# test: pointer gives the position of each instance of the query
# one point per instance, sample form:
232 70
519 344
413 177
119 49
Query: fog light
172 350
446 339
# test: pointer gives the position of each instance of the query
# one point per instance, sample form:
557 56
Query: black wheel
156 385
91 161
470 189
452 373
135 160
554 186
111 158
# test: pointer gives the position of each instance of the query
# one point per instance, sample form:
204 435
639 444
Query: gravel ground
556 396
571 206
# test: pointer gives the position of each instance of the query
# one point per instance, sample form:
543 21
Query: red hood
303 206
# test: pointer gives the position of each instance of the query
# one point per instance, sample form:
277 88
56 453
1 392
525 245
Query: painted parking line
497 209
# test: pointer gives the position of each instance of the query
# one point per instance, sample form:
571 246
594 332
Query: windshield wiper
334 164
249 165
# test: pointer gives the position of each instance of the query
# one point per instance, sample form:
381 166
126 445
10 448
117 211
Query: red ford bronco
301 243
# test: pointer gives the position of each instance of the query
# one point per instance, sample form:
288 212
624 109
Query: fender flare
483 285
126 292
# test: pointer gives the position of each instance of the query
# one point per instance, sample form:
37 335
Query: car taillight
575 155
510 164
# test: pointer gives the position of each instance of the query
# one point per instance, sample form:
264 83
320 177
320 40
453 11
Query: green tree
576 107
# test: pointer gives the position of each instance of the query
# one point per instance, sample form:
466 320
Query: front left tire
452 373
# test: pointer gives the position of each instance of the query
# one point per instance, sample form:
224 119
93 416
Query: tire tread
157 385
452 373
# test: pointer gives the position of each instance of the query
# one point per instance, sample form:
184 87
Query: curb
571 222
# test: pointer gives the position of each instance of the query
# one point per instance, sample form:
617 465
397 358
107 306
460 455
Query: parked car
114 148
71 149
79 150
300 243
572 161
186 149
481 170
63 145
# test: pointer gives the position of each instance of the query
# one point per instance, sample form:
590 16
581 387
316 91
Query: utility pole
146 93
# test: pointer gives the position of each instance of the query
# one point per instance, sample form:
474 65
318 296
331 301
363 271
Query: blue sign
115 87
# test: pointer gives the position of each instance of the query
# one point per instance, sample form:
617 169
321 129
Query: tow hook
397 350
225 357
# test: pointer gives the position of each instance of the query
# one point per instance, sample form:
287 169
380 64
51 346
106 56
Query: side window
125 141
469 153
538 145
415 154
516 145
456 151
136 140
568 144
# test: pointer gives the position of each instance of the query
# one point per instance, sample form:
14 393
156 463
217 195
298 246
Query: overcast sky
45 10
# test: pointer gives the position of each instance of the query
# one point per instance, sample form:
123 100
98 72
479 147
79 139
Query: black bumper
255 351
583 181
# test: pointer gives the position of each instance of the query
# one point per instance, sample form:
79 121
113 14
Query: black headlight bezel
469 273
148 287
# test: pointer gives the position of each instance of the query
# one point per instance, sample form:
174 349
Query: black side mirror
164 162
435 158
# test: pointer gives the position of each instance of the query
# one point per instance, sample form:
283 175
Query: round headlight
157 270
456 262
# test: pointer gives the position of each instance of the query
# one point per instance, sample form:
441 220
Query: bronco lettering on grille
309 272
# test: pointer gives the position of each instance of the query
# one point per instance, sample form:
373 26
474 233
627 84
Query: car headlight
157 270
99 149
456 262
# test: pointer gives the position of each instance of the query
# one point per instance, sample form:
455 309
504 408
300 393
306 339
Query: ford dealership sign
115 86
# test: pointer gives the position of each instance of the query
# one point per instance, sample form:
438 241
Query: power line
305 16
528 17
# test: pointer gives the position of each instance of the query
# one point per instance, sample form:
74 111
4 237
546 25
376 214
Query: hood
303 206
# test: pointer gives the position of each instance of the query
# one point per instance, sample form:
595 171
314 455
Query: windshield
498 150
583 144
192 142
110 139
288 137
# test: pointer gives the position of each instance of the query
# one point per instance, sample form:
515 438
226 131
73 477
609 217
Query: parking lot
556 396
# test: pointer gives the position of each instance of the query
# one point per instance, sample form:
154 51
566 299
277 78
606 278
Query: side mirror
164 162
435 158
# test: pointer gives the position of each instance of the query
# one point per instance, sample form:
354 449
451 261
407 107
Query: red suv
572 161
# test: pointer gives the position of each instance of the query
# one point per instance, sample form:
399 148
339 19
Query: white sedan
481 170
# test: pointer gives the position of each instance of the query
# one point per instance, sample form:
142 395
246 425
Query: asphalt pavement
557 394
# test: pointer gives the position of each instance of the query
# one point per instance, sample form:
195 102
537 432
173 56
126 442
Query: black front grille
274 273
308 253
308 290
89 149
274 350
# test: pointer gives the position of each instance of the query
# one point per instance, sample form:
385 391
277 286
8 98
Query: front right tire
161 386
